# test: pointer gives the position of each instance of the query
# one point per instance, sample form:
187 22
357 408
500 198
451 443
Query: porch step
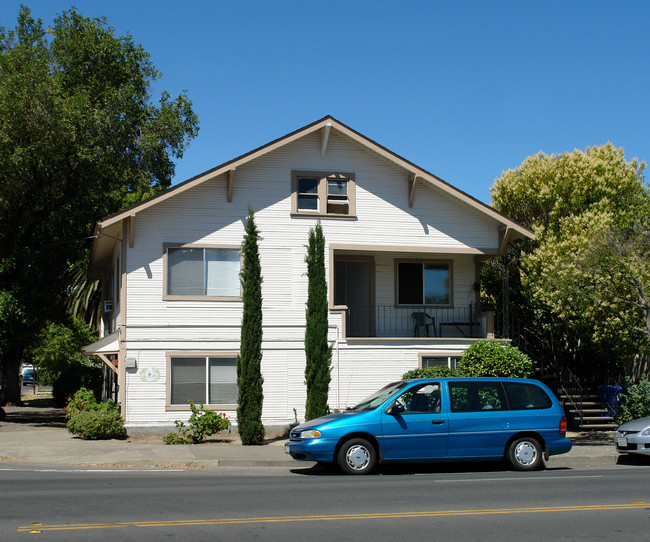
598 427
586 413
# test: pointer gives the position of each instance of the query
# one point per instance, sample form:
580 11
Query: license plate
622 443
287 448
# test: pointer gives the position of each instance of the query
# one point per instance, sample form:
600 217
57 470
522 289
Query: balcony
422 321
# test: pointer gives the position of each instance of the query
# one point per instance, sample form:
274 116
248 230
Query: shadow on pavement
412 469
633 459
37 411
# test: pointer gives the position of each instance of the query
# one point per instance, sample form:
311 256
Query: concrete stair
586 413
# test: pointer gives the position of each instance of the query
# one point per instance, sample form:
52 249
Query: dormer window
323 194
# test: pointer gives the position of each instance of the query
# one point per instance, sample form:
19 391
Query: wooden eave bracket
413 181
505 234
107 361
325 136
231 183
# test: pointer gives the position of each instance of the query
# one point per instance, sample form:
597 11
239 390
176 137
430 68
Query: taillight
563 426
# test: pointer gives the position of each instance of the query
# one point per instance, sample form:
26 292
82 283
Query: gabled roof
513 230
328 121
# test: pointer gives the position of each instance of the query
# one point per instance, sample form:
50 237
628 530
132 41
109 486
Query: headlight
312 433
646 432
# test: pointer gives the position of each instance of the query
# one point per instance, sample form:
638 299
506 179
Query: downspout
122 336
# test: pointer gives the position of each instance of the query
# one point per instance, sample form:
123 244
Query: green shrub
84 399
429 372
635 401
201 424
494 358
97 424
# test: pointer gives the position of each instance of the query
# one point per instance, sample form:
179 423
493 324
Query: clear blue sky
463 89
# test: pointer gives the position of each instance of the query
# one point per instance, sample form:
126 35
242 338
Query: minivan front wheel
525 454
357 456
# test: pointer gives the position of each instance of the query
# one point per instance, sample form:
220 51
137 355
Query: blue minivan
441 419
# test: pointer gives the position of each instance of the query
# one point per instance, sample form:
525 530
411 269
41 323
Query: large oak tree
79 138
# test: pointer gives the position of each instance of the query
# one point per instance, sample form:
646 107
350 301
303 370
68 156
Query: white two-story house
404 251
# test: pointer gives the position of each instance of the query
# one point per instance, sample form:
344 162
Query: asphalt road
462 502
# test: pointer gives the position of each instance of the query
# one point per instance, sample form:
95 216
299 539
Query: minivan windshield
377 398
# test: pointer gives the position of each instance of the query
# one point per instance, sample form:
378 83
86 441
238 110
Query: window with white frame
206 380
451 362
423 283
203 272
323 193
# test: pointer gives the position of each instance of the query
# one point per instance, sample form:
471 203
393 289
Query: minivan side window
476 396
421 399
522 396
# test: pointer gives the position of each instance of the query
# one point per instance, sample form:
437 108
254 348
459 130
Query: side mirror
395 409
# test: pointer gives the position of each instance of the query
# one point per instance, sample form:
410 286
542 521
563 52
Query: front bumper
317 449
632 444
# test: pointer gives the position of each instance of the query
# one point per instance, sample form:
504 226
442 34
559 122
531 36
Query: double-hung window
205 379
203 272
423 283
323 194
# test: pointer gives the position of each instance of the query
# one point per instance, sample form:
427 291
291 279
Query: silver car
634 437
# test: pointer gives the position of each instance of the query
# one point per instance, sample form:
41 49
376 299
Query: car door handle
437 422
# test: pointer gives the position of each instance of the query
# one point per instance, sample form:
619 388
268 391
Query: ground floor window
450 362
207 380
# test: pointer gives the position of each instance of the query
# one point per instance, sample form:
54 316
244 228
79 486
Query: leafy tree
317 350
494 358
249 375
83 295
58 347
79 137
577 204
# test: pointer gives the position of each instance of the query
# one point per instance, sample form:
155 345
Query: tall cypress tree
317 350
249 375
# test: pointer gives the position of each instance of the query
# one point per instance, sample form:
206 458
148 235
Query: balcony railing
422 321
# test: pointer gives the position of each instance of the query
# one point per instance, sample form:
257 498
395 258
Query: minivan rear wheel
525 454
357 456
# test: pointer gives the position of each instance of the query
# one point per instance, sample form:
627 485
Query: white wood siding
202 215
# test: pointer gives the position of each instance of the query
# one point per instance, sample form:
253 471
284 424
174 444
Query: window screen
188 380
203 272
197 378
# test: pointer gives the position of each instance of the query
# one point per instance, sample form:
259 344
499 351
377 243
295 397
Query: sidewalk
37 434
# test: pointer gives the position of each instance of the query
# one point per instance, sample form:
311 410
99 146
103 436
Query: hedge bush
429 372
92 420
495 358
84 399
97 424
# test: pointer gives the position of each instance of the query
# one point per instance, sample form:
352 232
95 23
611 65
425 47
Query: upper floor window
423 283
203 272
321 193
